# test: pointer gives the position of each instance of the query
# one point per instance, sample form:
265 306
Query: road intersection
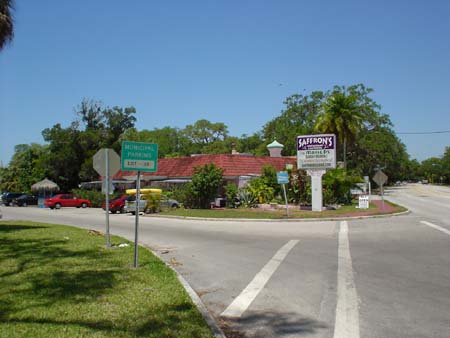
383 277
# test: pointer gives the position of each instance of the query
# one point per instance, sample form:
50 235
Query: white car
130 205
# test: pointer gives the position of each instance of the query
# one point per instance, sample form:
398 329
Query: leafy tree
65 155
167 138
206 182
25 168
298 118
341 116
205 132
203 135
6 22
380 147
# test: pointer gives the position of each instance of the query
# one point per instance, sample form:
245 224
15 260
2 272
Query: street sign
380 178
139 156
316 151
282 177
99 161
106 162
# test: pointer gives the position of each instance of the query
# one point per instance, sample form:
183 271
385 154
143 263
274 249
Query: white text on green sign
138 156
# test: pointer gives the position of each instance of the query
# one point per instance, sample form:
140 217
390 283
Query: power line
426 132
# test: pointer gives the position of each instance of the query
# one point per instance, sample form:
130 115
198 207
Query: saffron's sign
316 151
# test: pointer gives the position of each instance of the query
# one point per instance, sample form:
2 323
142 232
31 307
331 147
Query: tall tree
298 118
25 168
6 22
346 111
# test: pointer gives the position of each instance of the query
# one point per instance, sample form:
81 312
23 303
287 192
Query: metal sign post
139 156
380 178
108 239
136 223
106 162
283 178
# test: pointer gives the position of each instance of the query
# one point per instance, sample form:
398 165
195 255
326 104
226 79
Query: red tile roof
233 165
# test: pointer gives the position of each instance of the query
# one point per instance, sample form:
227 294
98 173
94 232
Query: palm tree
342 115
6 22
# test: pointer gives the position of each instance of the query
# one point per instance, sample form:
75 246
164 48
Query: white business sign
316 151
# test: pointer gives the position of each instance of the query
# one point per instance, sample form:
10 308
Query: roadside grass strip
259 213
60 281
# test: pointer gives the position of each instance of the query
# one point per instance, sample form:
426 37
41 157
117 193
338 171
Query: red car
66 200
117 204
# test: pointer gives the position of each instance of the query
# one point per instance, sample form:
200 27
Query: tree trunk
345 152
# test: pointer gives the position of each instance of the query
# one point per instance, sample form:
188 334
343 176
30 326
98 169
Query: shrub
259 188
206 182
247 199
96 197
337 184
231 193
153 203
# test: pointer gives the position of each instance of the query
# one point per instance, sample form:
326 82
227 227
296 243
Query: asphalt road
381 277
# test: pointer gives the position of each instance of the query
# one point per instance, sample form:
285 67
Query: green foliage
153 204
206 182
6 22
298 118
298 189
231 193
336 186
381 147
247 199
61 281
25 168
96 197
259 188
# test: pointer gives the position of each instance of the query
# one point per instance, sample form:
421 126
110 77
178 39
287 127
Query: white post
316 188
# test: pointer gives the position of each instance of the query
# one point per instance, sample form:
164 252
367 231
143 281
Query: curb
216 330
282 219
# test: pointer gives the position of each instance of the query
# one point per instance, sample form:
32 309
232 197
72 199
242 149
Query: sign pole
108 241
382 197
285 199
136 224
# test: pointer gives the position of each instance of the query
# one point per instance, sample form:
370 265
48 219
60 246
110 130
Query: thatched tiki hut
43 190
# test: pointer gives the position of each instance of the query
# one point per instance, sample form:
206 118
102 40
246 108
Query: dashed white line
437 227
243 301
347 314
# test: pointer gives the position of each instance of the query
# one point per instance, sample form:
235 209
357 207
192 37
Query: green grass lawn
258 213
60 281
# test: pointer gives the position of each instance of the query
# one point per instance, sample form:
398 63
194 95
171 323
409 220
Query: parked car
66 200
164 202
25 200
117 205
8 197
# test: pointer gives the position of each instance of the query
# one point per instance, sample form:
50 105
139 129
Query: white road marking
243 301
347 314
437 227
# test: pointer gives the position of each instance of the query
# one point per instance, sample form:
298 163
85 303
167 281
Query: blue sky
225 61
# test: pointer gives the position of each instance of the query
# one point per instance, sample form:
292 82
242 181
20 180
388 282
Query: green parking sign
139 156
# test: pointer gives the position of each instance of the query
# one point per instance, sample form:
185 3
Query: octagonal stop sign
99 162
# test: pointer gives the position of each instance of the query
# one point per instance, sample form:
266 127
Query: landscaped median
60 281
376 208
